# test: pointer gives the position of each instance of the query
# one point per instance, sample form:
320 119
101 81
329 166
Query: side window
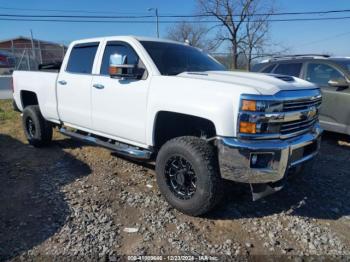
117 48
290 69
320 74
269 68
81 58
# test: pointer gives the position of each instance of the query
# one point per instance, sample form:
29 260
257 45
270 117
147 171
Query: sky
330 36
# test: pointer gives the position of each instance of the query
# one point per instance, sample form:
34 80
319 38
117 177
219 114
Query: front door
74 86
335 110
119 105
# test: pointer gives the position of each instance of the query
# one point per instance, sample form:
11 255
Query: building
36 50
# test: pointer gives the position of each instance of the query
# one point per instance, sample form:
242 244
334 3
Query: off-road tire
42 135
203 158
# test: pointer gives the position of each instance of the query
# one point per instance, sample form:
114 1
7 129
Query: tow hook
262 190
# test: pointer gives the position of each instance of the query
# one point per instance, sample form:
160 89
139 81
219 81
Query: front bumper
235 156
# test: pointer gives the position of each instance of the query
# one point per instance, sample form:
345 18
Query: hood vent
284 78
197 73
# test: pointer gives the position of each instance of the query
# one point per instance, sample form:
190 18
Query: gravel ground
76 201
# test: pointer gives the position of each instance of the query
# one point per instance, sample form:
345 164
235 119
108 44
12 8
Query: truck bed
43 84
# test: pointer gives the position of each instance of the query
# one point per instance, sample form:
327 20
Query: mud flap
262 190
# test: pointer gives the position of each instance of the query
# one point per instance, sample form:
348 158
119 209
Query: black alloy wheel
180 176
30 127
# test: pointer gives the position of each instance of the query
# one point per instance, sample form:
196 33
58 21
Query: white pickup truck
164 101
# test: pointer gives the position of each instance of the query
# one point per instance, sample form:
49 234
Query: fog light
254 159
261 160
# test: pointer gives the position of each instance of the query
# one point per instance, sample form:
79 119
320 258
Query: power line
161 21
168 16
78 16
66 11
324 39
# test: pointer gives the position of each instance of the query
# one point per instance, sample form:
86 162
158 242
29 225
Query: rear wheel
37 130
188 175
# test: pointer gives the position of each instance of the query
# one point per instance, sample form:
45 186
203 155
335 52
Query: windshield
173 59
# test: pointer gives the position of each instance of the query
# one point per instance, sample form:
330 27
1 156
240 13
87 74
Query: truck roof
127 37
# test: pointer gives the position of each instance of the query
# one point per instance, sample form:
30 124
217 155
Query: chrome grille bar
299 105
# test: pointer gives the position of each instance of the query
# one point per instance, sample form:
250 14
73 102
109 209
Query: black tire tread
44 136
208 156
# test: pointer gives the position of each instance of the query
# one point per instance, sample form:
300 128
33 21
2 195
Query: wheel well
28 98
169 125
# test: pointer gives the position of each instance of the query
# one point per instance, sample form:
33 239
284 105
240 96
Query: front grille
297 113
307 121
297 126
303 104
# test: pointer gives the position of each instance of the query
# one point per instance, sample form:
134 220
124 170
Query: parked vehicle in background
331 74
164 101
7 63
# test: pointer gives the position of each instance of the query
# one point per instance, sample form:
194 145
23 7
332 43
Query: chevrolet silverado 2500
164 101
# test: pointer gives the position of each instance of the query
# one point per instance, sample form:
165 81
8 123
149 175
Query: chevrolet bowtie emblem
312 112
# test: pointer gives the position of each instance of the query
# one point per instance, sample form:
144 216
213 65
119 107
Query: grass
6 110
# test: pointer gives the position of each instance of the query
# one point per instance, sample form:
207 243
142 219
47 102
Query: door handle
62 82
98 86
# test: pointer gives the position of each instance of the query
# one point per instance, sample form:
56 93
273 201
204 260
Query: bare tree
243 25
196 35
256 30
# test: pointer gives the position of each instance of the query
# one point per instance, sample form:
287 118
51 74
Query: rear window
292 69
81 58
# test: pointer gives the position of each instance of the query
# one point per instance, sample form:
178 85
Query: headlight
261 106
252 118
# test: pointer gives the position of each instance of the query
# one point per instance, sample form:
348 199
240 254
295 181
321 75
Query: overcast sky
302 37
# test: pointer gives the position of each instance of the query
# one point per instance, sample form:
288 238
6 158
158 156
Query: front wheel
188 175
37 130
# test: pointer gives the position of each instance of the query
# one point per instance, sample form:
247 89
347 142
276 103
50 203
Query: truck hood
265 84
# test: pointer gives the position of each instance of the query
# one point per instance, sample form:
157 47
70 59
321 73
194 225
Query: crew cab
164 101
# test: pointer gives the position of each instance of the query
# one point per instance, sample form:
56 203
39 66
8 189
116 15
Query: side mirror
340 82
119 69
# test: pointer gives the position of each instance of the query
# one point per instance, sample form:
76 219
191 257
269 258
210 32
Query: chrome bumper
235 156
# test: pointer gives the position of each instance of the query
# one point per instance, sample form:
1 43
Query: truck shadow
32 206
322 193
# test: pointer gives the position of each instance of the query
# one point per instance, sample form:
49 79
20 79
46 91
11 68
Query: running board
120 148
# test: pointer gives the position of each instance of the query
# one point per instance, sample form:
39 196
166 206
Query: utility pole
32 41
157 18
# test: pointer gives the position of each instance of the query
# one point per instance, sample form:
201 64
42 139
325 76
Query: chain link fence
28 58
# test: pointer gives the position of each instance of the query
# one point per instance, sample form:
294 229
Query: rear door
335 109
74 86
